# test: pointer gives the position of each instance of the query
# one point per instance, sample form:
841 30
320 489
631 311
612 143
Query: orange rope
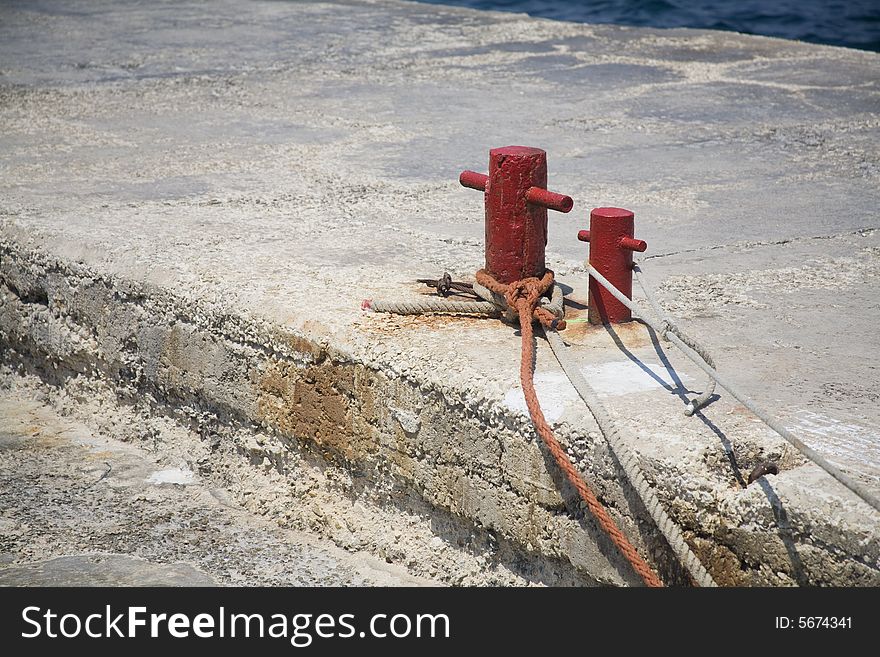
523 296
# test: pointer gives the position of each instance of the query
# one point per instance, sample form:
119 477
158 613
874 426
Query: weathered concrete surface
196 200
80 509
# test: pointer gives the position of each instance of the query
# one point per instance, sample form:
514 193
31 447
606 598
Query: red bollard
611 246
516 211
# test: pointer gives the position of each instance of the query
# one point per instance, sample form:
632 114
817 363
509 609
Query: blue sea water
850 23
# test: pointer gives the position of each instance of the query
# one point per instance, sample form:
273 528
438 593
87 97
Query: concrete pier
194 200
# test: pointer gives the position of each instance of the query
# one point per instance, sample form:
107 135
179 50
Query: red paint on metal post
474 180
611 246
550 200
516 211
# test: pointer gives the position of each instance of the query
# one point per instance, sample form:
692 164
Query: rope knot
523 295
664 329
525 289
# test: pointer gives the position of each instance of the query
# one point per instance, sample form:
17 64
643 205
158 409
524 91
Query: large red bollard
516 211
611 248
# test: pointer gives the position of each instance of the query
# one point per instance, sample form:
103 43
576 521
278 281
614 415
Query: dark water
851 23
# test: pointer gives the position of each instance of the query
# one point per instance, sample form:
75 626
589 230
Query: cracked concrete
194 204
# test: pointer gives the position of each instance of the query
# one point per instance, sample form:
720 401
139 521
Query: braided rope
668 326
424 306
526 287
850 483
523 295
630 465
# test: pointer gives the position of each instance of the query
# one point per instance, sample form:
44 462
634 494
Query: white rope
765 417
666 321
626 458
630 464
428 305
494 305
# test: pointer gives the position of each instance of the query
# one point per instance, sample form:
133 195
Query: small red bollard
516 211
611 246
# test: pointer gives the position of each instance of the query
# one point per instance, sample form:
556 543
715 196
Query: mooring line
664 331
630 465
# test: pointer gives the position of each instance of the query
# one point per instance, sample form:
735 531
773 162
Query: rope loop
526 291
523 296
